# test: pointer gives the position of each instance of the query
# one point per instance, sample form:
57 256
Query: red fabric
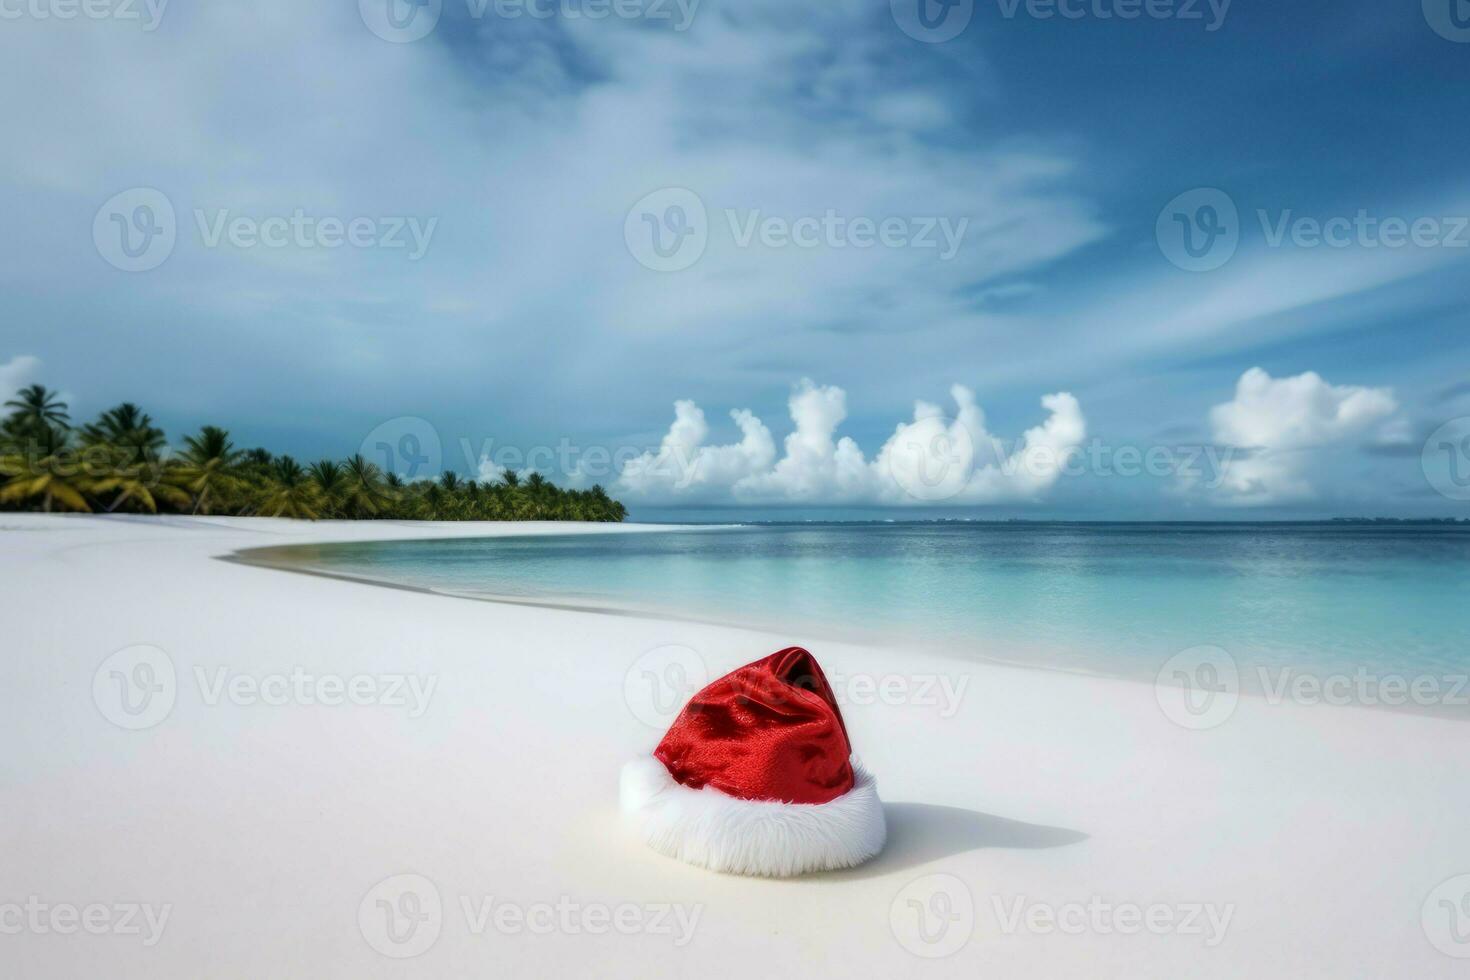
768 731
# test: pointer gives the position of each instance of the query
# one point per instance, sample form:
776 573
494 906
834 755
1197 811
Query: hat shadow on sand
922 832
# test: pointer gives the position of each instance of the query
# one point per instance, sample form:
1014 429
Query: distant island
123 463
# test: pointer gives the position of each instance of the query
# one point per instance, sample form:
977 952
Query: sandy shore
329 776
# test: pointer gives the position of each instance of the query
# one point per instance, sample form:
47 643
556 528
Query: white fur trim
752 837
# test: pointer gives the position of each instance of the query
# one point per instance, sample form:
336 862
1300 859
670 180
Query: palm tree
134 483
603 507
47 472
365 492
331 479
292 492
37 406
49 483
127 427
206 472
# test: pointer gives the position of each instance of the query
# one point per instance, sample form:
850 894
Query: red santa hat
756 776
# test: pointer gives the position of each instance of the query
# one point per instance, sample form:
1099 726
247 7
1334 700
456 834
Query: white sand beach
1042 824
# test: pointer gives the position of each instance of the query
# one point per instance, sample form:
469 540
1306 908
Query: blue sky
1037 173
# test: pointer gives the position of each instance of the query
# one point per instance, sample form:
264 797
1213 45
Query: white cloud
1278 427
684 466
931 460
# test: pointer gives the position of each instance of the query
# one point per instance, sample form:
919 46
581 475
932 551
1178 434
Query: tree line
122 462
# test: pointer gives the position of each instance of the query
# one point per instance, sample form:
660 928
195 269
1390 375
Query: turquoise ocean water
1105 598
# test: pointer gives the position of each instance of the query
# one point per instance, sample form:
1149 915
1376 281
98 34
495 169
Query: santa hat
756 777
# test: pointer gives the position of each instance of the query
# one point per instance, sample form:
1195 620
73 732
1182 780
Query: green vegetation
122 463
